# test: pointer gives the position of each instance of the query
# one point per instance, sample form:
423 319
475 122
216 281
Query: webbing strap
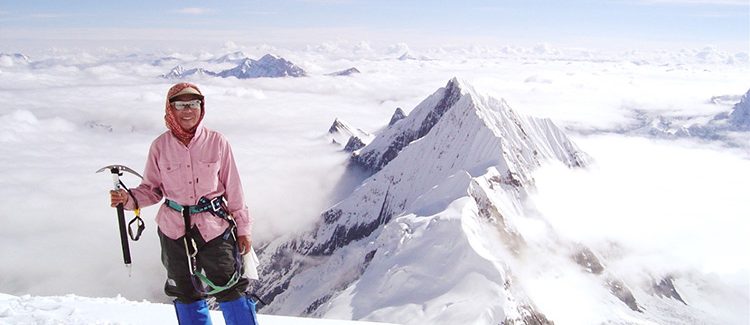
213 205
137 219
216 289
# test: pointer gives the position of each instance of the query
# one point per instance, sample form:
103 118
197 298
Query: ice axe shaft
116 171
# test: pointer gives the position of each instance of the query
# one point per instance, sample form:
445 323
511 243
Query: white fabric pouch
250 261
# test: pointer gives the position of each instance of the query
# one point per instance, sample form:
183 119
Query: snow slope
72 309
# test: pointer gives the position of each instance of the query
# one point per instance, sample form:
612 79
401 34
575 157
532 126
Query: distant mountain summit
409 57
10 59
739 118
398 115
347 72
179 72
718 127
234 57
351 138
269 66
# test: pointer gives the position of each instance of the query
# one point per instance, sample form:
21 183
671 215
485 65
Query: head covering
191 89
171 119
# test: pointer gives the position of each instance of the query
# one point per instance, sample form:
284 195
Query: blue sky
673 23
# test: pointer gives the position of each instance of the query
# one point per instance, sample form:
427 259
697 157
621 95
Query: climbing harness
216 207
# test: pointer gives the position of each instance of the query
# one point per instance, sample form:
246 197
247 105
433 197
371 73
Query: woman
204 222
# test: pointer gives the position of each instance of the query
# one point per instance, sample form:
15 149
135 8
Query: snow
72 309
646 207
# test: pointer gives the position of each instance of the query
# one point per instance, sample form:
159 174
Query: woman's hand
244 242
117 197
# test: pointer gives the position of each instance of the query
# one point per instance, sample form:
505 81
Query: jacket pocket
207 177
172 179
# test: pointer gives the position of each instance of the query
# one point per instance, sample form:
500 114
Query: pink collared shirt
182 174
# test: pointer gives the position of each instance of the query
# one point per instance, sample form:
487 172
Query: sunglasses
182 105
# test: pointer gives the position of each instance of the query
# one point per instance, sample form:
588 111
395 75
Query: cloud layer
69 113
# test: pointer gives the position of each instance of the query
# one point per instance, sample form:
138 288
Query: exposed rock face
586 258
530 316
354 144
591 264
398 115
665 289
621 291
375 160
351 138
339 126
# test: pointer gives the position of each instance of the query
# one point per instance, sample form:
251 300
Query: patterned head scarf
171 119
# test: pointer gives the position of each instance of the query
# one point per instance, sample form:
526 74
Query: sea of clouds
69 111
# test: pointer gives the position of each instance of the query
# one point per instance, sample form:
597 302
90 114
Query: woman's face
189 117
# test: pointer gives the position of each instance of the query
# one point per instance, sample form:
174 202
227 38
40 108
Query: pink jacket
182 174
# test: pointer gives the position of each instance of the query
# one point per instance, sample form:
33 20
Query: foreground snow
72 309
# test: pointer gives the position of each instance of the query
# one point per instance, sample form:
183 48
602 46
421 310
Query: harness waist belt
214 206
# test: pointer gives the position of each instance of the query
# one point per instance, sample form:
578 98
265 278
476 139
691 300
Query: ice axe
116 171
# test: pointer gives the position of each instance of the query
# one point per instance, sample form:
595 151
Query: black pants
215 258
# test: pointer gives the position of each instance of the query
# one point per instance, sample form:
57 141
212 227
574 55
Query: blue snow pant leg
195 313
240 311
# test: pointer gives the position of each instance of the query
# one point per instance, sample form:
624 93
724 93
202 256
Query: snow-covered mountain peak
269 58
269 66
233 57
179 72
458 157
340 127
495 114
740 115
10 59
175 73
342 133
398 115
347 72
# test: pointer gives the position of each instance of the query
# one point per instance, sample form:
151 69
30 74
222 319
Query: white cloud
669 206
194 11
48 15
